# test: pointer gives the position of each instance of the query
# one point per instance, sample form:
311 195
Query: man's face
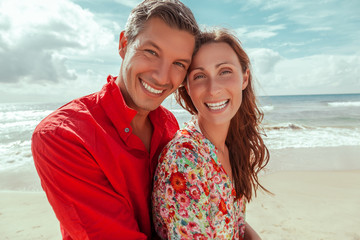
154 64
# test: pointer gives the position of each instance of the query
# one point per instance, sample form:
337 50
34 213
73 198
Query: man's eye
151 52
180 64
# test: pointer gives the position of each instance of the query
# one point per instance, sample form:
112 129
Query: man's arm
80 194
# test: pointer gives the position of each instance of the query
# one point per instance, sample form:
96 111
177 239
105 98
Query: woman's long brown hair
247 151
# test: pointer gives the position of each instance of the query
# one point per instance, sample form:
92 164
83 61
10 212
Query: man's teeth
217 106
150 89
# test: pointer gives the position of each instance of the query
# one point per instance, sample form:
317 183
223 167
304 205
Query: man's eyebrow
152 44
188 61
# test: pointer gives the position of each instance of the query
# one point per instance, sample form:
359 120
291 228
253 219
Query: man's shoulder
68 115
164 118
167 114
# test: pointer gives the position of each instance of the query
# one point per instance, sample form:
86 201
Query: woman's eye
225 72
199 76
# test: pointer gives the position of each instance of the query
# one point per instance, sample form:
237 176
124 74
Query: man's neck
142 127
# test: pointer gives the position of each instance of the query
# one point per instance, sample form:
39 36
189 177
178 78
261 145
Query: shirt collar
119 113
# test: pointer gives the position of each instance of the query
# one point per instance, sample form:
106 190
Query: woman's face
215 83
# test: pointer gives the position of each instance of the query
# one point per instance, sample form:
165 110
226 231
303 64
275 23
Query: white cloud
264 59
318 74
315 29
39 38
128 3
258 32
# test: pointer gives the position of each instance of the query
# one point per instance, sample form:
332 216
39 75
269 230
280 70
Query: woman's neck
216 133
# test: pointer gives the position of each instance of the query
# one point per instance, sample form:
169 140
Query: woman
208 172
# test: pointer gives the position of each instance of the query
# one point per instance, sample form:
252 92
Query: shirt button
127 130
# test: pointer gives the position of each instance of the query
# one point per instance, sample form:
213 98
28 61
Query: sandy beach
307 204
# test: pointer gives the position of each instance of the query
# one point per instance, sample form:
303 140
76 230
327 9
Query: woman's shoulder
189 145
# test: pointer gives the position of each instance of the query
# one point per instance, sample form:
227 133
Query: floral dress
193 197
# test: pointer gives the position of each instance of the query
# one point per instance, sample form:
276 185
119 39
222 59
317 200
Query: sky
55 51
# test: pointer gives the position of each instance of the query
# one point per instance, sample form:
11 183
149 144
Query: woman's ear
122 44
246 76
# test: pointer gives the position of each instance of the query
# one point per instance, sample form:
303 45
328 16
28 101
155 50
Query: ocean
306 121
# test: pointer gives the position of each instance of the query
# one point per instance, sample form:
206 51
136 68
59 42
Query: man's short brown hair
172 12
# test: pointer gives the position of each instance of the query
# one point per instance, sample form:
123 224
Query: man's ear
246 76
122 44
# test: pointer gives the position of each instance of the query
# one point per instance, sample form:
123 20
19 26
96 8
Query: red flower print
233 192
216 167
194 193
206 189
222 206
171 213
184 231
162 156
178 182
217 179
184 132
194 227
169 191
183 199
188 146
199 236
183 212
227 220
179 154
214 198
192 176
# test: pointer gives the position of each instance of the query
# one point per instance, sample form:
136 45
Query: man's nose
162 73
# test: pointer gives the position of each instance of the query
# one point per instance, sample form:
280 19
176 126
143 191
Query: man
96 155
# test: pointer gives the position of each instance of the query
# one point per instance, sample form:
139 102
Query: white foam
267 108
344 104
23 115
307 138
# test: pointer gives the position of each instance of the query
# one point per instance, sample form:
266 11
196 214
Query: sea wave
344 104
267 108
285 126
17 116
290 137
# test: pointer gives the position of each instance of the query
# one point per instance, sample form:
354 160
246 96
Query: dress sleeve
181 202
82 198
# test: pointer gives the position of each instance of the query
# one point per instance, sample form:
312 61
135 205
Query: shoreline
306 205
340 158
317 196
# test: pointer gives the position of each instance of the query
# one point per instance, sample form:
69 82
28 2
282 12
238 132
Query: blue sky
65 49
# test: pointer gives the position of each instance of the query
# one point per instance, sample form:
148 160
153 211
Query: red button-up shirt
98 175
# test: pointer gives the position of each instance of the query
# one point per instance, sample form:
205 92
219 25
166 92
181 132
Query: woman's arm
250 233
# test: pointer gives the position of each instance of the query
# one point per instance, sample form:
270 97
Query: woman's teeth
150 89
218 105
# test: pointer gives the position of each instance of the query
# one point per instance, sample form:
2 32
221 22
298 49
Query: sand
27 216
307 203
